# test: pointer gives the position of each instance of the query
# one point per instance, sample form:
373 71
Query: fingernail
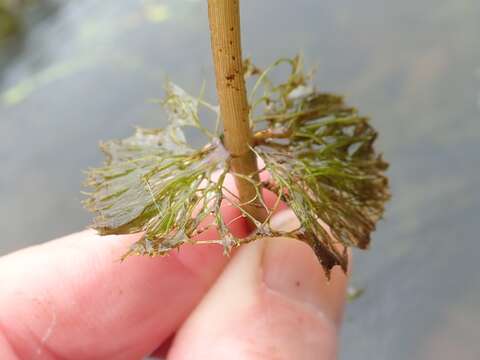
291 270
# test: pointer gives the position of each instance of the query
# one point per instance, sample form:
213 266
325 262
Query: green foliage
9 21
320 155
317 151
154 182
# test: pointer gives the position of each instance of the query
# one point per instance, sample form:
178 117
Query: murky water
87 72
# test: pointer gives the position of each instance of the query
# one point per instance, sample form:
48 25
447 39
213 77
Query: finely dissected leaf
144 187
318 151
330 179
320 155
155 183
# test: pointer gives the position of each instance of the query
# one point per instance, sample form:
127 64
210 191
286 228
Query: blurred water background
76 72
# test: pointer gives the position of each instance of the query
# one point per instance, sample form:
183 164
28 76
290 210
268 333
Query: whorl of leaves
318 153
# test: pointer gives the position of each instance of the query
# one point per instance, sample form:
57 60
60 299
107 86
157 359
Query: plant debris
317 151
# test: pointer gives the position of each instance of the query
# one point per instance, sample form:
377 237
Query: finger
72 298
273 301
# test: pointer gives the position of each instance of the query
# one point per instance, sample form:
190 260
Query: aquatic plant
315 153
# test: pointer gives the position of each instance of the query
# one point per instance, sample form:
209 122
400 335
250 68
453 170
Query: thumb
273 301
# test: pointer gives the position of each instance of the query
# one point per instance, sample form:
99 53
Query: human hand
72 299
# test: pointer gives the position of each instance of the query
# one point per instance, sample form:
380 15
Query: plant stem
224 19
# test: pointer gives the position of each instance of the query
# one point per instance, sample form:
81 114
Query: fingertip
291 269
272 301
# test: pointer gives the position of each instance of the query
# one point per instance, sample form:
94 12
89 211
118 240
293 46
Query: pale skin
71 298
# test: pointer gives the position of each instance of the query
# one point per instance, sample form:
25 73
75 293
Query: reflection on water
18 18
87 74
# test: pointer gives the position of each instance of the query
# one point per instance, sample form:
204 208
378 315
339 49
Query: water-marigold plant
317 151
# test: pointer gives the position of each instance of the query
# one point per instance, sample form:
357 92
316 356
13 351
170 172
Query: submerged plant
316 155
